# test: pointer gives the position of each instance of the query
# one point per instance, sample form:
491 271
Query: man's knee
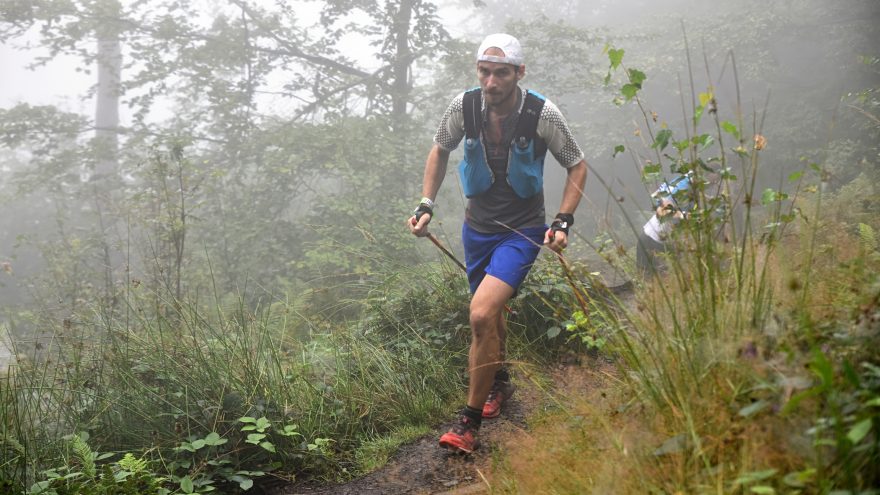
484 322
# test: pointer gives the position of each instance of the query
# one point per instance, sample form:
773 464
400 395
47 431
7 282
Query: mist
266 117
230 156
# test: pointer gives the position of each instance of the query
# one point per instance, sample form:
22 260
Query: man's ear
520 72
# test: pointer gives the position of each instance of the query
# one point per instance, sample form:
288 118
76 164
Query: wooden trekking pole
569 276
447 252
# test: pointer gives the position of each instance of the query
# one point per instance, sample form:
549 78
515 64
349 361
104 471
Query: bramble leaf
629 91
662 139
615 56
636 77
730 128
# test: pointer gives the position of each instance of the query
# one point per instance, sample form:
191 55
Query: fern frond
132 464
84 455
11 443
868 237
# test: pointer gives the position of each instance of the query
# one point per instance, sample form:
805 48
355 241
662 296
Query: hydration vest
678 191
525 160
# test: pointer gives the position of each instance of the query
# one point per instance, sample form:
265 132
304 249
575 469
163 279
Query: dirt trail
422 467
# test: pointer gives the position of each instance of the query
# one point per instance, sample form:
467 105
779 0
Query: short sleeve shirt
499 209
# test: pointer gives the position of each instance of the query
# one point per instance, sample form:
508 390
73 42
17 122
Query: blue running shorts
507 256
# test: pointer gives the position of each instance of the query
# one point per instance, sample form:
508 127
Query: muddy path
422 467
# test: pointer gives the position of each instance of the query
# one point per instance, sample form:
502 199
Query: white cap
513 53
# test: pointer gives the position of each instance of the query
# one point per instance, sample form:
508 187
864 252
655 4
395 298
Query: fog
259 148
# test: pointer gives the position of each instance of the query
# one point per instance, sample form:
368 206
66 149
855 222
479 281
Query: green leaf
186 484
858 432
629 91
763 490
822 368
704 140
213 438
615 56
873 402
662 139
799 479
289 431
197 444
768 196
618 149
730 128
754 476
651 169
246 484
753 408
255 438
553 331
268 446
850 374
698 114
247 419
636 77
795 176
263 423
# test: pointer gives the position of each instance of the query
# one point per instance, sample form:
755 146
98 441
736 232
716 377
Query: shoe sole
492 416
456 449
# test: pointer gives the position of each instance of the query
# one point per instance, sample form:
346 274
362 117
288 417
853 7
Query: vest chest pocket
525 171
476 177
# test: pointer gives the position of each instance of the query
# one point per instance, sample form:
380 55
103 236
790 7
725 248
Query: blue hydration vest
525 162
677 191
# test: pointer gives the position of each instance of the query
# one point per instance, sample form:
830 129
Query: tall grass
749 365
209 393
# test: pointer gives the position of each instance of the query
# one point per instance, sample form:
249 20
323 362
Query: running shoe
462 437
501 391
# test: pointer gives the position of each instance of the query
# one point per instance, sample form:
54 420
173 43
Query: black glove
562 222
426 206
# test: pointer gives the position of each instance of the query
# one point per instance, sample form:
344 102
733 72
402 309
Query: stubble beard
497 101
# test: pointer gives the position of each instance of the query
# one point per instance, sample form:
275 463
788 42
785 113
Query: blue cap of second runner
513 53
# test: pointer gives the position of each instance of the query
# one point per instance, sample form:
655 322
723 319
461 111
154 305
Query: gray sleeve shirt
499 209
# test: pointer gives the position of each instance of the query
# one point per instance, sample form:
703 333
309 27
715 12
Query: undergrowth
218 398
749 363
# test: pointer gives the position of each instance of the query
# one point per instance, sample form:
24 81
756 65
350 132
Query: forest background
235 205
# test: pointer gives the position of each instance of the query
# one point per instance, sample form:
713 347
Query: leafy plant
85 474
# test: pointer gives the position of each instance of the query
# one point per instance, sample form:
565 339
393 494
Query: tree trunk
109 60
402 84
107 106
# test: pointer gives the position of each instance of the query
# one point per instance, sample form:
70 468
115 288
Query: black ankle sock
474 415
502 375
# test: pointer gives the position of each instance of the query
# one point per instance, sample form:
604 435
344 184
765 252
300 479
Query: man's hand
419 227
556 240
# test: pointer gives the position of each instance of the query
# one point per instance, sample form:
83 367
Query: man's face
498 81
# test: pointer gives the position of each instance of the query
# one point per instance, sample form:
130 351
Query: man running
508 131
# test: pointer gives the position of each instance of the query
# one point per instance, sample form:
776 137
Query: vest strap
472 106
